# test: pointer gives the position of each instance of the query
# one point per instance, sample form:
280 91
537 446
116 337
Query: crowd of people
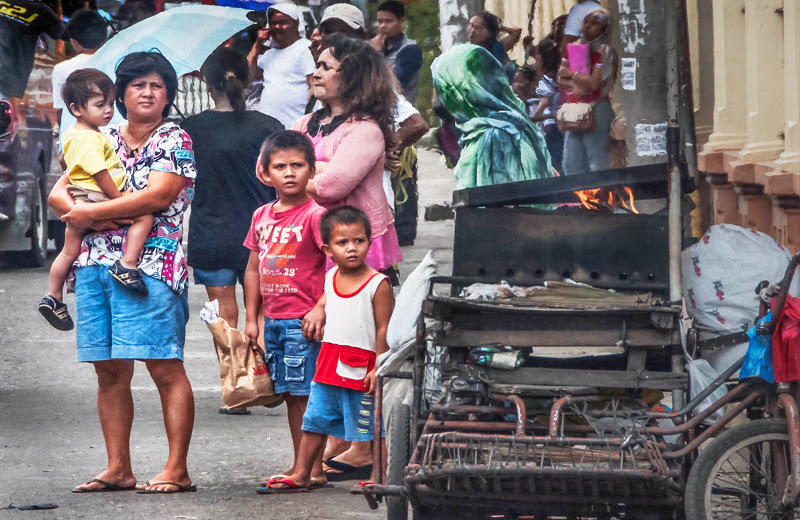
297 178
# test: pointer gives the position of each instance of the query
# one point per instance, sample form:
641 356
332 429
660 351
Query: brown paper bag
243 375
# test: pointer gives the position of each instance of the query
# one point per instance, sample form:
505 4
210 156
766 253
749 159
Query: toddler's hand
313 324
251 331
369 382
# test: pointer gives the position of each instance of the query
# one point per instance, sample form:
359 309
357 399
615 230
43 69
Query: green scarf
499 143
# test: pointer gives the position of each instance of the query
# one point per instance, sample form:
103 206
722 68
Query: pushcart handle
769 327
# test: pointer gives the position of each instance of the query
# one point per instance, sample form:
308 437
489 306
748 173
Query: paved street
50 438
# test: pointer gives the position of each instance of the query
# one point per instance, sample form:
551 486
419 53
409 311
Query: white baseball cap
349 14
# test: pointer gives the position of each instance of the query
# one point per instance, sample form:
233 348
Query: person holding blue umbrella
115 326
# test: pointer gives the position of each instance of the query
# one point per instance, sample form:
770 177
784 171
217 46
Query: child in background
547 60
286 272
358 303
95 174
524 86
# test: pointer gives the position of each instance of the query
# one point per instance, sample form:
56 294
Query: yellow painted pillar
730 124
765 89
789 160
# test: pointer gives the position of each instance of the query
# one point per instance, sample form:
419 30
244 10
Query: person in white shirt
286 65
87 31
572 27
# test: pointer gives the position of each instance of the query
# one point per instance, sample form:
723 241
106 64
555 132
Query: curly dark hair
367 87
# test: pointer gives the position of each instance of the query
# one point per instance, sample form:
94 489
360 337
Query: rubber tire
698 481
37 254
399 455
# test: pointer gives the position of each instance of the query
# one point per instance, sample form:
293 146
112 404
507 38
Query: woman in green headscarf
498 142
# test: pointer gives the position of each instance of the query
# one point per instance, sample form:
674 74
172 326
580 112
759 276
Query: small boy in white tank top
358 304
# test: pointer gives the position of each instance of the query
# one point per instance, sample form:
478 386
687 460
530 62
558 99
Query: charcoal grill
527 440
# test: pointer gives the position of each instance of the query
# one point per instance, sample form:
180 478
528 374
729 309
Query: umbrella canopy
185 35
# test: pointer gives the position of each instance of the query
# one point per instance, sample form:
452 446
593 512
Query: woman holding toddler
116 326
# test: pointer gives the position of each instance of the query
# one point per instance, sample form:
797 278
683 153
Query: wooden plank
566 377
557 338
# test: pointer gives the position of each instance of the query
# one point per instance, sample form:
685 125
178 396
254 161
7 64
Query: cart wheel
399 454
735 476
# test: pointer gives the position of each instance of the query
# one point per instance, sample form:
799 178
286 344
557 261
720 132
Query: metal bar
519 404
712 430
650 177
438 408
555 411
719 381
792 489
529 439
377 429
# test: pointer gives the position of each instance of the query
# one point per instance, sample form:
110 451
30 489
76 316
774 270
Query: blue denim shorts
341 412
291 358
115 323
218 277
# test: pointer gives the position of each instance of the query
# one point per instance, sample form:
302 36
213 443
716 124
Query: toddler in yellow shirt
95 175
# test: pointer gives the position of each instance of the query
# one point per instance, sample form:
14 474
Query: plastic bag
701 375
758 360
243 375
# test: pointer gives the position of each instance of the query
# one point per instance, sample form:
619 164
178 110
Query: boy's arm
383 302
314 322
106 184
252 298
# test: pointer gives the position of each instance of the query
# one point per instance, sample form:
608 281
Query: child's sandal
130 278
56 313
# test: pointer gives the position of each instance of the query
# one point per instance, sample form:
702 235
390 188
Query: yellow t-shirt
86 153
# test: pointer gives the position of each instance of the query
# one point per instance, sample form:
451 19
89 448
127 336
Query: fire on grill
609 199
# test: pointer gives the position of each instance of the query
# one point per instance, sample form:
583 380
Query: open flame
608 198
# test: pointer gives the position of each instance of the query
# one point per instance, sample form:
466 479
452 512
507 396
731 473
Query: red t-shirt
291 263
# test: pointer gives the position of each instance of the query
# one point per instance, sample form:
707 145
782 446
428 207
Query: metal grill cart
575 436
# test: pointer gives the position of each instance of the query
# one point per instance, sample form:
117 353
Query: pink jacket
353 176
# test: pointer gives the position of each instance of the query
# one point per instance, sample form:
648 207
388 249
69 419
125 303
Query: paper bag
243 375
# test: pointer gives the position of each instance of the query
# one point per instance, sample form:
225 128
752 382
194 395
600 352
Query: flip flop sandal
56 313
189 488
130 278
358 489
107 487
345 471
291 487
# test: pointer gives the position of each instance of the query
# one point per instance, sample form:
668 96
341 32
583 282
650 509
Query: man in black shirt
21 23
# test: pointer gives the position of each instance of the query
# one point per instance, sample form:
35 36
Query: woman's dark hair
87 28
367 86
342 215
287 140
551 57
84 84
492 23
138 64
226 71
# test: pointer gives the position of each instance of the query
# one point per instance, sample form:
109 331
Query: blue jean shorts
291 358
115 323
342 412
218 277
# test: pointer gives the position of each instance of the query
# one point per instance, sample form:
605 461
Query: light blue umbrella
186 35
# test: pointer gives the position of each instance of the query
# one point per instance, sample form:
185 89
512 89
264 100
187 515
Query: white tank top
350 318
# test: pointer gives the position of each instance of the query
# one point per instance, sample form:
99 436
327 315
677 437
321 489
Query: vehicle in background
28 169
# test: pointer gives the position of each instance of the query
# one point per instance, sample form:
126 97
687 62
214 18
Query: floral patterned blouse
168 150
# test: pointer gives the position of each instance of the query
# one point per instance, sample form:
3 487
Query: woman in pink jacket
351 133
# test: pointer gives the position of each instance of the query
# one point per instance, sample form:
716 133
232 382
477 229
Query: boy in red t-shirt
286 272
358 303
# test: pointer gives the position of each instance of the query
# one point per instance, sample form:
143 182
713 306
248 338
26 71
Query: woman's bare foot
335 447
158 483
359 454
99 483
